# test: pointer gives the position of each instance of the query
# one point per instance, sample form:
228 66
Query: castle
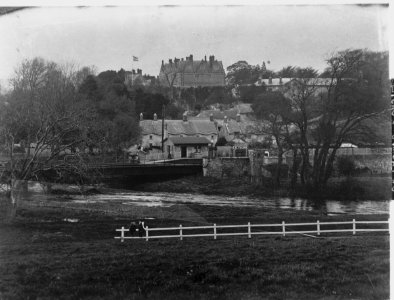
185 73
133 78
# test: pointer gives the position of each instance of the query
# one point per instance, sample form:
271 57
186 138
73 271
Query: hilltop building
283 84
186 73
135 78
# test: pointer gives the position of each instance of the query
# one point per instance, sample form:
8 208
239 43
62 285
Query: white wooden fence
283 229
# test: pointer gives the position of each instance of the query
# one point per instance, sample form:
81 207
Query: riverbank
52 250
356 188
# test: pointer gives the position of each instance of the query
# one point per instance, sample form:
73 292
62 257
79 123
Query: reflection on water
146 199
169 199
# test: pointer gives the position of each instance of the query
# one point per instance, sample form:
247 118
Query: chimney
155 117
182 58
133 71
270 80
211 59
225 119
191 57
139 71
162 62
238 117
205 58
141 116
184 117
211 117
170 61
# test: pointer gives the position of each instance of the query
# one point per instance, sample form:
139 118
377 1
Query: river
163 199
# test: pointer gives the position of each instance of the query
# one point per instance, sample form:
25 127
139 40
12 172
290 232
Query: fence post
283 228
354 226
180 232
214 231
146 233
318 227
249 231
122 235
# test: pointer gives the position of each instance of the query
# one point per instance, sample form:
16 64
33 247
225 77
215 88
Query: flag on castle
135 58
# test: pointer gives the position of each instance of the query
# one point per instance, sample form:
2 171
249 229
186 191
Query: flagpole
135 58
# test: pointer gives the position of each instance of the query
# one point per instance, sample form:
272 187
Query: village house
243 109
186 73
180 137
187 147
239 132
237 125
284 84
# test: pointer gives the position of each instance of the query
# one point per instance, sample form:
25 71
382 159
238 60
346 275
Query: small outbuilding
187 147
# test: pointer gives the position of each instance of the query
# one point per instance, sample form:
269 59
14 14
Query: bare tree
274 109
44 115
328 114
303 93
348 102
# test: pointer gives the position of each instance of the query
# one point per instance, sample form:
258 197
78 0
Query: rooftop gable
193 66
178 127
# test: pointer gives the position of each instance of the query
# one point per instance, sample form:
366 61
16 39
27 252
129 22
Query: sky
109 37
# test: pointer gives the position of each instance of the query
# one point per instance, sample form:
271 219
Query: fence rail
284 230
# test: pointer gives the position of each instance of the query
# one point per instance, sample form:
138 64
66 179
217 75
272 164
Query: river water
163 199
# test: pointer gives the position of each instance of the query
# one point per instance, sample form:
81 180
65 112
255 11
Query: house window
197 149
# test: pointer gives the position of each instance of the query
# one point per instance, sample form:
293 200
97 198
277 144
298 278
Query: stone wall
253 166
376 163
222 167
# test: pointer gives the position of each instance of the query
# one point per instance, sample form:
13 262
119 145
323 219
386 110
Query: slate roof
218 114
177 127
243 127
150 127
190 140
243 108
233 127
195 66
276 81
191 127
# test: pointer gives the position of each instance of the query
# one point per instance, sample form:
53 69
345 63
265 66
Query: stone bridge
123 174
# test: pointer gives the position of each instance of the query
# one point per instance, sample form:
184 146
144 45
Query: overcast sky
108 37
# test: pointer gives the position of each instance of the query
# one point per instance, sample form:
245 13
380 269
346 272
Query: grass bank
57 251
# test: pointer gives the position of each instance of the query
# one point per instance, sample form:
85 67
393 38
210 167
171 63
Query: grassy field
43 256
